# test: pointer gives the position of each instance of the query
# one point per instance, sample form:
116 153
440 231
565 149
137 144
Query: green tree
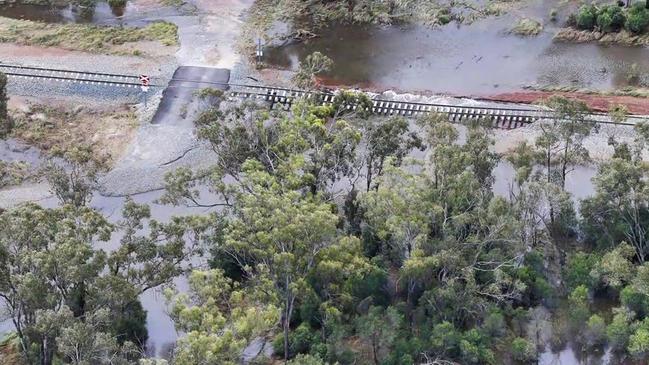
219 318
639 340
560 144
579 308
278 231
52 276
523 350
618 210
383 139
619 330
595 332
379 329
74 181
313 65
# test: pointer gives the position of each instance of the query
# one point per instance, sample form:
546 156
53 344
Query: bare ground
601 103
60 124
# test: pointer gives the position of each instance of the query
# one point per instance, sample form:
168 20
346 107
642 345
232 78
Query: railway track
506 116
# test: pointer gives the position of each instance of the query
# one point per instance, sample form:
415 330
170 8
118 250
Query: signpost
145 80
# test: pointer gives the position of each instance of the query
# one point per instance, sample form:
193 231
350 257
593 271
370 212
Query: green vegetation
13 173
174 3
411 259
53 129
84 37
306 17
315 64
612 18
117 3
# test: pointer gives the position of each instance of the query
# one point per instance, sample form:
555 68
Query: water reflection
101 14
469 60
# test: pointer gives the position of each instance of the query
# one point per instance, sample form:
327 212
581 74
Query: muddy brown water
103 14
478 59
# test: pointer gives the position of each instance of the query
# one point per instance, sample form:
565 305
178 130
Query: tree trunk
369 171
375 354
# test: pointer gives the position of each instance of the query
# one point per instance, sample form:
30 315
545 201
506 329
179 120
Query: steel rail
286 96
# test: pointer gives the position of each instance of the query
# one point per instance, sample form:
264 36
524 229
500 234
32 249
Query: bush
639 341
595 334
610 19
619 330
117 3
300 341
586 17
634 301
522 350
637 19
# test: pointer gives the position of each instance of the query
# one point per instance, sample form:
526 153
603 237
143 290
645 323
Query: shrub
300 341
595 334
117 3
443 19
637 19
619 330
610 19
639 340
527 27
634 301
586 17
522 350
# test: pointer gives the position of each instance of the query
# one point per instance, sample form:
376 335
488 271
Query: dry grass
84 37
9 354
106 129
527 27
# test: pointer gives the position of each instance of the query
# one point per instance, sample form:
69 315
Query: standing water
478 59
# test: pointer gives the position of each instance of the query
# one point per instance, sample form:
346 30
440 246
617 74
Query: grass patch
12 173
174 3
208 92
107 130
638 92
527 27
83 37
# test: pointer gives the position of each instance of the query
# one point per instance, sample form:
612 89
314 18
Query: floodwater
162 334
477 59
103 14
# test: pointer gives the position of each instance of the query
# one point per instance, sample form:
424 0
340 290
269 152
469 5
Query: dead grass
9 354
527 27
84 37
106 129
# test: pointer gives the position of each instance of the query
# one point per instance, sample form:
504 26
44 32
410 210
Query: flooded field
417 58
485 56
103 14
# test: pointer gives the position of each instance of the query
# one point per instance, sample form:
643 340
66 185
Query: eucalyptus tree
219 317
277 231
560 144
313 65
386 139
56 279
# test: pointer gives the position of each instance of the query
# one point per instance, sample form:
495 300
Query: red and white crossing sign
145 81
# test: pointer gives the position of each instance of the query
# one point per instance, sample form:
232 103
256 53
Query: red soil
600 103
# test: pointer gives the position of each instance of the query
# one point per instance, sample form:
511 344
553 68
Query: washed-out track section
505 116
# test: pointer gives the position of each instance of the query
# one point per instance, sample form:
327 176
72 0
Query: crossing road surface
186 80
